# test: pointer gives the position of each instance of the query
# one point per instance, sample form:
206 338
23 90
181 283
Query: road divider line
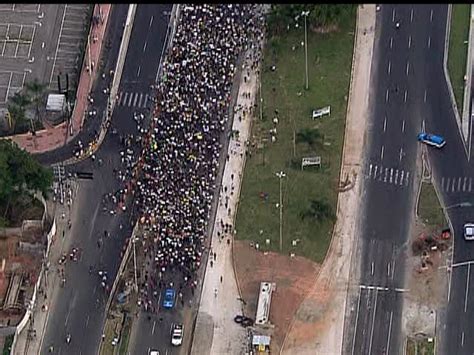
431 16
409 41
389 67
381 153
467 287
373 323
393 15
408 68
411 15
386 96
387 347
403 126
406 93
355 325
385 124
400 156
391 42
372 268
429 41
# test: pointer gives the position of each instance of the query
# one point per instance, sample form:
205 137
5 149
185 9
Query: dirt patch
427 283
294 278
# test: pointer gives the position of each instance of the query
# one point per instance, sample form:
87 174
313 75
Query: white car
154 352
177 334
469 231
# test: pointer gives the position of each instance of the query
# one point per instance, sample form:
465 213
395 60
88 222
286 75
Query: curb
448 79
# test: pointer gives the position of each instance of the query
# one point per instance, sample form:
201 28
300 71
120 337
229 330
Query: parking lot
40 41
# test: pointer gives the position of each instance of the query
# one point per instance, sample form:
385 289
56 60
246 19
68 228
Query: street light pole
281 175
305 14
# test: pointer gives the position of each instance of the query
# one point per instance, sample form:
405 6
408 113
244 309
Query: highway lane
398 104
79 307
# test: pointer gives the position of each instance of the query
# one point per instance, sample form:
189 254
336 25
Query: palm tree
17 107
36 89
319 210
312 137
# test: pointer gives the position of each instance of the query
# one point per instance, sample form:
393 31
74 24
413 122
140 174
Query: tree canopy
20 172
284 16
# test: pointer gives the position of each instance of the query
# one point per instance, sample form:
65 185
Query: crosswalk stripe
119 97
124 99
442 184
135 101
470 180
391 175
396 177
464 184
140 101
130 99
146 100
375 173
459 184
401 177
385 177
406 178
452 184
447 185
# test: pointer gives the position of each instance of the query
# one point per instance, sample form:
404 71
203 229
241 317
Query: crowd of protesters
181 152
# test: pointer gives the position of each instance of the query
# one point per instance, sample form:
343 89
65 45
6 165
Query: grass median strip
457 55
429 208
309 196
425 346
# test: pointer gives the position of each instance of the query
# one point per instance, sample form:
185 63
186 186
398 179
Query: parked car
469 231
177 333
431 139
168 300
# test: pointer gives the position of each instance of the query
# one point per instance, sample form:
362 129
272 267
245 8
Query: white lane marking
373 324
391 175
144 46
385 124
424 97
408 67
372 268
409 41
389 67
396 177
462 339
391 42
153 329
467 287
431 16
87 320
393 19
386 96
387 347
370 170
151 21
388 269
67 316
406 92
393 269
385 176
411 15
357 318
406 178
138 71
429 41
381 153
403 126
400 155
423 125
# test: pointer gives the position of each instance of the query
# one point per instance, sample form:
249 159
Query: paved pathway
52 138
216 332
26 342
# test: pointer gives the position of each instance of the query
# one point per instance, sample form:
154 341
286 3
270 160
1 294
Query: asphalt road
404 61
79 306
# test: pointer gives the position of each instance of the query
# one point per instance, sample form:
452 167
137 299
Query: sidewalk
53 138
216 332
321 314
26 343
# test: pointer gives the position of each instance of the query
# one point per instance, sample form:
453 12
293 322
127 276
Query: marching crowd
180 153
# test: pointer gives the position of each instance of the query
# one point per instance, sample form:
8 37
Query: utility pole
281 175
305 14
135 264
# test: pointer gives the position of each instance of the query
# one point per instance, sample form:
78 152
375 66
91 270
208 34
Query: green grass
127 327
429 208
329 65
7 346
457 56
420 346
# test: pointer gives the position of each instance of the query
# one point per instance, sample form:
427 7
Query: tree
36 90
20 173
319 210
17 105
310 136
